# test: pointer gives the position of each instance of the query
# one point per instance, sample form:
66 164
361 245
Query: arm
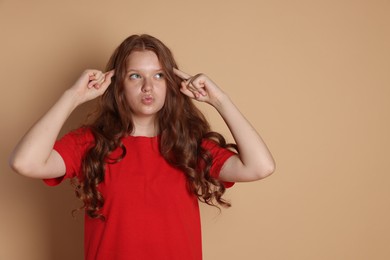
34 155
254 161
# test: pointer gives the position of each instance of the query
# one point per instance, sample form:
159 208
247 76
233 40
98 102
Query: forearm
34 155
254 160
253 152
32 152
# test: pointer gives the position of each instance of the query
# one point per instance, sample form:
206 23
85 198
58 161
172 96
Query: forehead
143 60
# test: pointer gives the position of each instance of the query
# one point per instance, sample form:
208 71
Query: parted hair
181 129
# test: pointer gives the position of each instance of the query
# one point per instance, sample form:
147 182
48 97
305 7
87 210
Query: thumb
107 80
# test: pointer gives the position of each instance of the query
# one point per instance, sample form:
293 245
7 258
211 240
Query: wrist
71 97
221 101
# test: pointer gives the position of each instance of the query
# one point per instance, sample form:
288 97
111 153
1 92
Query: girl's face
145 85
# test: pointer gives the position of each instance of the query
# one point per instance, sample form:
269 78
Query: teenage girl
141 166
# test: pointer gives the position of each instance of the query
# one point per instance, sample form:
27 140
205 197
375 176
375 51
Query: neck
144 127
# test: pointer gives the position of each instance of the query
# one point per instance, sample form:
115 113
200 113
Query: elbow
265 170
16 166
20 167
271 169
13 164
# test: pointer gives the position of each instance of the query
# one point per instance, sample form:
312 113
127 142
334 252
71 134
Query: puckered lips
147 99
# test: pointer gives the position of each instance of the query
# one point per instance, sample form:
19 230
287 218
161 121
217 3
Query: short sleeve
219 155
72 148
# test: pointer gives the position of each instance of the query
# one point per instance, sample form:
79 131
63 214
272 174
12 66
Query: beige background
312 76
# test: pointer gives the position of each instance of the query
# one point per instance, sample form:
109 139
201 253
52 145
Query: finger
93 83
193 89
196 85
95 77
95 74
101 87
190 90
181 74
190 81
99 80
187 92
108 76
107 80
110 73
193 78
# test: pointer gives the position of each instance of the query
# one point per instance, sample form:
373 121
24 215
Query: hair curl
181 131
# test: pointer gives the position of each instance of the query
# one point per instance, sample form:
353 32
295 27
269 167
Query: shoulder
82 134
81 137
215 149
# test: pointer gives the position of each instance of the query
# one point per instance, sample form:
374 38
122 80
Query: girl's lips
147 100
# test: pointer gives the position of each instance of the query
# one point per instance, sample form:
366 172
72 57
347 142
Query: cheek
129 97
130 90
164 93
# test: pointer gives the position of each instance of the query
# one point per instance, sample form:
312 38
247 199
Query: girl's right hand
34 155
91 84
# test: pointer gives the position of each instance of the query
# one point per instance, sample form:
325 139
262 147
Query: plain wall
311 76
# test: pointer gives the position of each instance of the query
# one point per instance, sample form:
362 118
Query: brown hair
181 131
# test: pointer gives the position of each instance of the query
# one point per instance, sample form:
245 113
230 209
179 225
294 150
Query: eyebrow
137 70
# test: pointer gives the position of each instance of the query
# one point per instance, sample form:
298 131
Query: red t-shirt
149 212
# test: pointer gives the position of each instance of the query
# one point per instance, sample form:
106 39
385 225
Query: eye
159 75
134 76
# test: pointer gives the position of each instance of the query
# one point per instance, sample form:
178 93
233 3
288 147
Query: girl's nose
147 85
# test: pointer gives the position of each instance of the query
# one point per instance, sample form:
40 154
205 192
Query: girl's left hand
200 87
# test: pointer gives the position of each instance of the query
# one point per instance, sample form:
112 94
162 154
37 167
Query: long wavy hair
181 131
